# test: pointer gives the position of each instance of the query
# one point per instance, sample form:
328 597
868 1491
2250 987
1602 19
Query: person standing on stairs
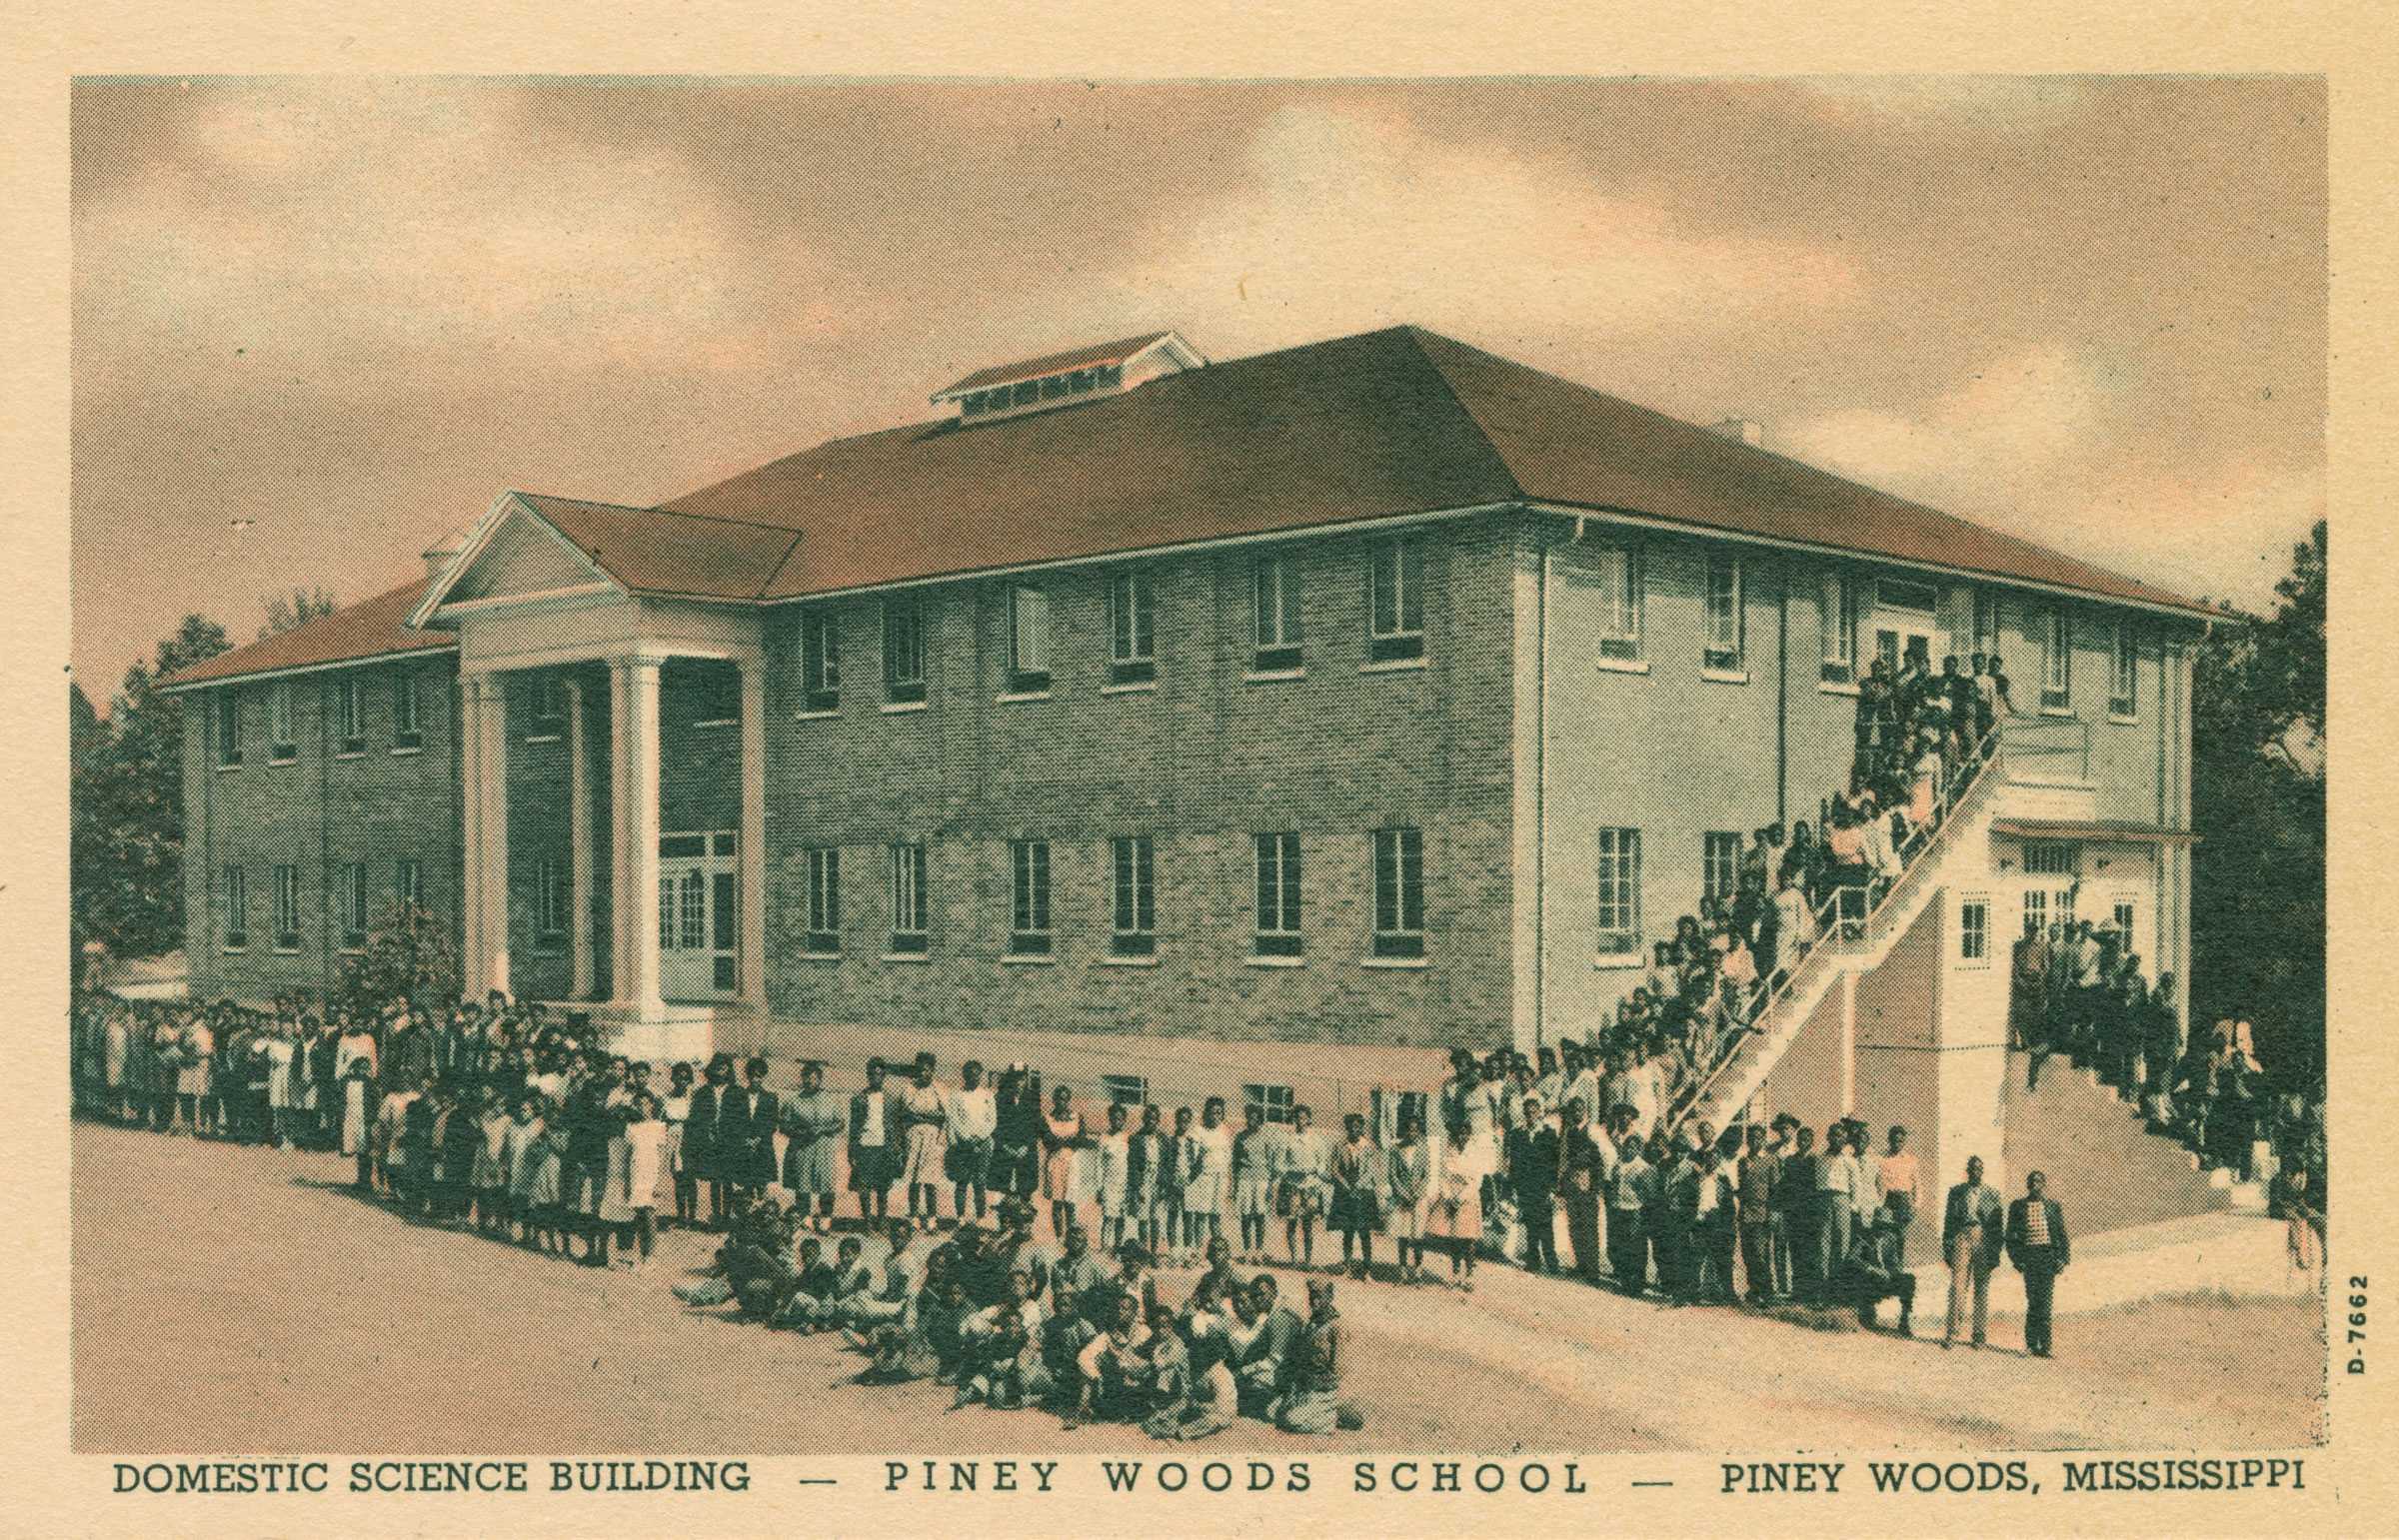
2037 1244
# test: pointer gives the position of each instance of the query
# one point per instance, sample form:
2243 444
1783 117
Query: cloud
1350 218
2011 422
353 226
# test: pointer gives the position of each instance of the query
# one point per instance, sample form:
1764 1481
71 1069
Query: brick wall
319 812
1201 762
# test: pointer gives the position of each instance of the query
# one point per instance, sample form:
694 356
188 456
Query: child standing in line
1253 1183
523 1153
1145 1156
1411 1173
1112 1183
1063 1143
1209 1189
646 1164
490 1165
546 1195
1176 1162
1305 1165
675 1111
613 1215
1359 1179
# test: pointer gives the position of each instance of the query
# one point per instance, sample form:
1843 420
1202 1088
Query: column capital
636 662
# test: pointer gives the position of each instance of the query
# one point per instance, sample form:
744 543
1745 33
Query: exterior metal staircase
1855 930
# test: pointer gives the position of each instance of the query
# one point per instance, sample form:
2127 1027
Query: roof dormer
1064 379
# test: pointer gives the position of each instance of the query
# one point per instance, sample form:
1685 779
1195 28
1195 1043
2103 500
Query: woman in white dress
281 1050
1209 1187
646 1171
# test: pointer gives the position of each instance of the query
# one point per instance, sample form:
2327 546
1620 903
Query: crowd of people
2079 991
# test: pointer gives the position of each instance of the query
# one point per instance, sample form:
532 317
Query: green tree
298 607
2257 786
409 952
125 882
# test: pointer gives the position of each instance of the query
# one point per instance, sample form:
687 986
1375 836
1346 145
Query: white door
1900 636
698 921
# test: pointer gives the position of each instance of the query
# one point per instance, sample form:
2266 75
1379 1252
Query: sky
320 322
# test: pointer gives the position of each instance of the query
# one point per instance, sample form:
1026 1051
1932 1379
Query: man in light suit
1971 1236
2037 1244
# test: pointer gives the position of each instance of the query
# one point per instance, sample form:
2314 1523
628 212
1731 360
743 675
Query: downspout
1782 697
1541 802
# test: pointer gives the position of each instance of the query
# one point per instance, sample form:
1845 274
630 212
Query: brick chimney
1741 428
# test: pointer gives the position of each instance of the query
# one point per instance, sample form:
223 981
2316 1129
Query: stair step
2249 1195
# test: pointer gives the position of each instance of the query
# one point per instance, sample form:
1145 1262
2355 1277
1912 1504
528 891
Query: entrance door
1905 623
698 920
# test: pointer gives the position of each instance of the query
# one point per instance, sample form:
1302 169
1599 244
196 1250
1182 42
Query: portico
615 743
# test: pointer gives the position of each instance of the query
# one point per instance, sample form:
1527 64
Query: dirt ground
244 1301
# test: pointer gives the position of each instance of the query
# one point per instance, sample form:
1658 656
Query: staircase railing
1861 915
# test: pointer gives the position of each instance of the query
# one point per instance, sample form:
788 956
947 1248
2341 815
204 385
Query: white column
579 839
624 910
470 841
635 681
754 835
491 763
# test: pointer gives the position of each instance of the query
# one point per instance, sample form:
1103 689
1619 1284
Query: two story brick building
1295 714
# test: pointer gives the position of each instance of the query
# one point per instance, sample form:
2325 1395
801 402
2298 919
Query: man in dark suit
1533 1161
873 1144
710 1135
2037 1244
756 1167
1970 1242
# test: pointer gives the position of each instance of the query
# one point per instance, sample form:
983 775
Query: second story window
1276 588
2123 693
283 743
1027 639
2057 661
903 650
1839 622
408 719
1132 626
824 899
908 933
819 661
350 712
1618 571
1396 601
229 725
1723 647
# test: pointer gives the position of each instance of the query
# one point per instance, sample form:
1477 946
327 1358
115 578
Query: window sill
1273 959
815 715
350 754
223 770
2057 711
731 722
1012 696
1135 687
543 737
1269 676
402 754
287 951
289 759
1827 687
1114 960
236 949
905 956
1027 960
819 956
1394 666
2124 718
898 708
1402 964
1725 676
1623 665
1620 960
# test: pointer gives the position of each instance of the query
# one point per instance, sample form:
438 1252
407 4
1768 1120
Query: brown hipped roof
372 628
1379 425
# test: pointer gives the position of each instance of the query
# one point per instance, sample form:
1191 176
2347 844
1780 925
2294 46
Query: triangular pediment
524 555
513 554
